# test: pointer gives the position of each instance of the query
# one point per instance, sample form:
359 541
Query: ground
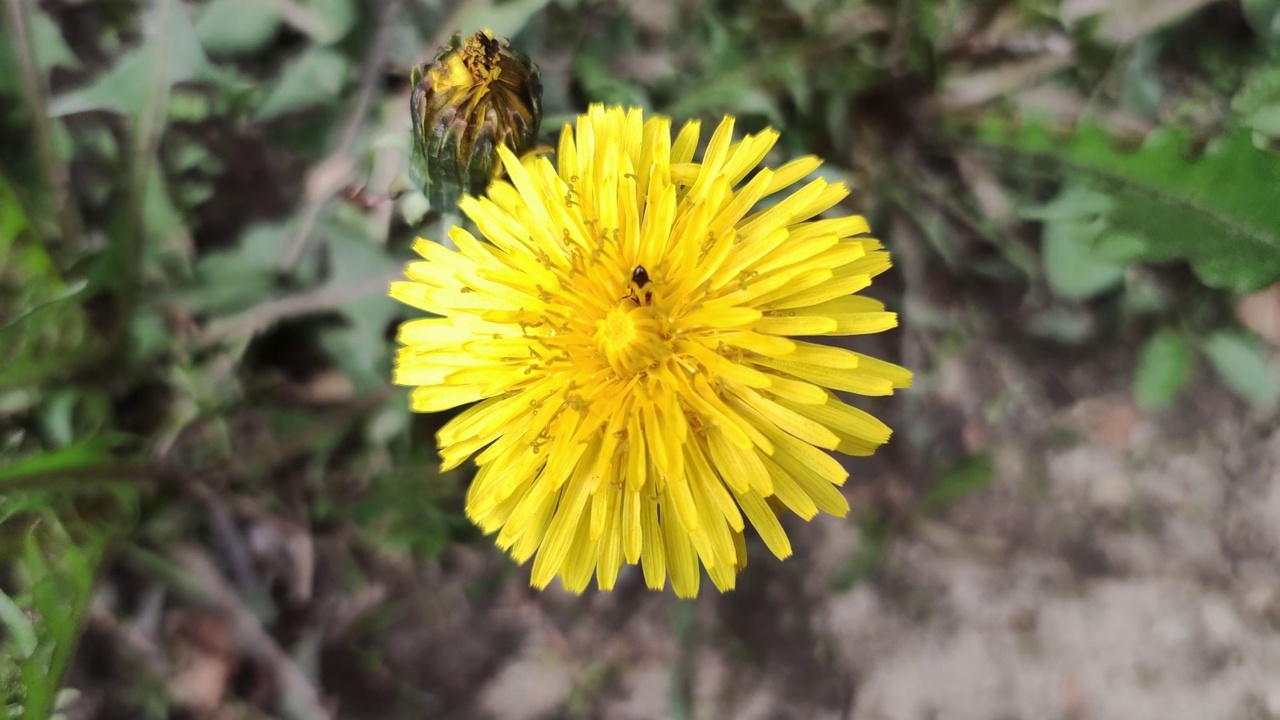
1118 566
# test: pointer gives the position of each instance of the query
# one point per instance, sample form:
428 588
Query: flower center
629 338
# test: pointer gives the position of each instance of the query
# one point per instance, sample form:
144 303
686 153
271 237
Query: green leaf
46 40
729 91
505 19
13 223
336 18
47 44
1241 364
1220 210
316 76
602 85
42 324
237 27
1164 368
19 628
1263 16
1258 102
165 229
1143 89
233 280
84 454
60 572
1120 248
406 511
243 27
149 336
1074 221
360 347
57 419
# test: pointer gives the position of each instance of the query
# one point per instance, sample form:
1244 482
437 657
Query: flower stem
55 172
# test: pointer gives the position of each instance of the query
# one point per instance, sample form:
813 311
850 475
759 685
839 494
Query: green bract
478 95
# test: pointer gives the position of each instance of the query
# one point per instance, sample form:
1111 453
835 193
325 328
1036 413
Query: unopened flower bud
477 95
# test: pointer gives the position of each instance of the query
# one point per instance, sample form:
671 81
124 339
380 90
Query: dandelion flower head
628 334
479 93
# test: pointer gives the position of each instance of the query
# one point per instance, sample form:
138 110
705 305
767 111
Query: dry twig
338 170
191 573
260 317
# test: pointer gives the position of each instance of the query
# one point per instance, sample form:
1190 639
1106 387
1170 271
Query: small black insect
489 44
640 278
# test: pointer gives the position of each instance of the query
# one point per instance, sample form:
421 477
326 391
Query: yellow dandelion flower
629 330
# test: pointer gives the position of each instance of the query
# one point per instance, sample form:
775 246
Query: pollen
628 337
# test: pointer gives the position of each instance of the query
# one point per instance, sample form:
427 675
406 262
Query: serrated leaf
1220 210
170 55
237 27
316 76
1163 370
1241 364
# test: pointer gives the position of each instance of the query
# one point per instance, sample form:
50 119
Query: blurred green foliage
1161 201
201 204
1163 370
